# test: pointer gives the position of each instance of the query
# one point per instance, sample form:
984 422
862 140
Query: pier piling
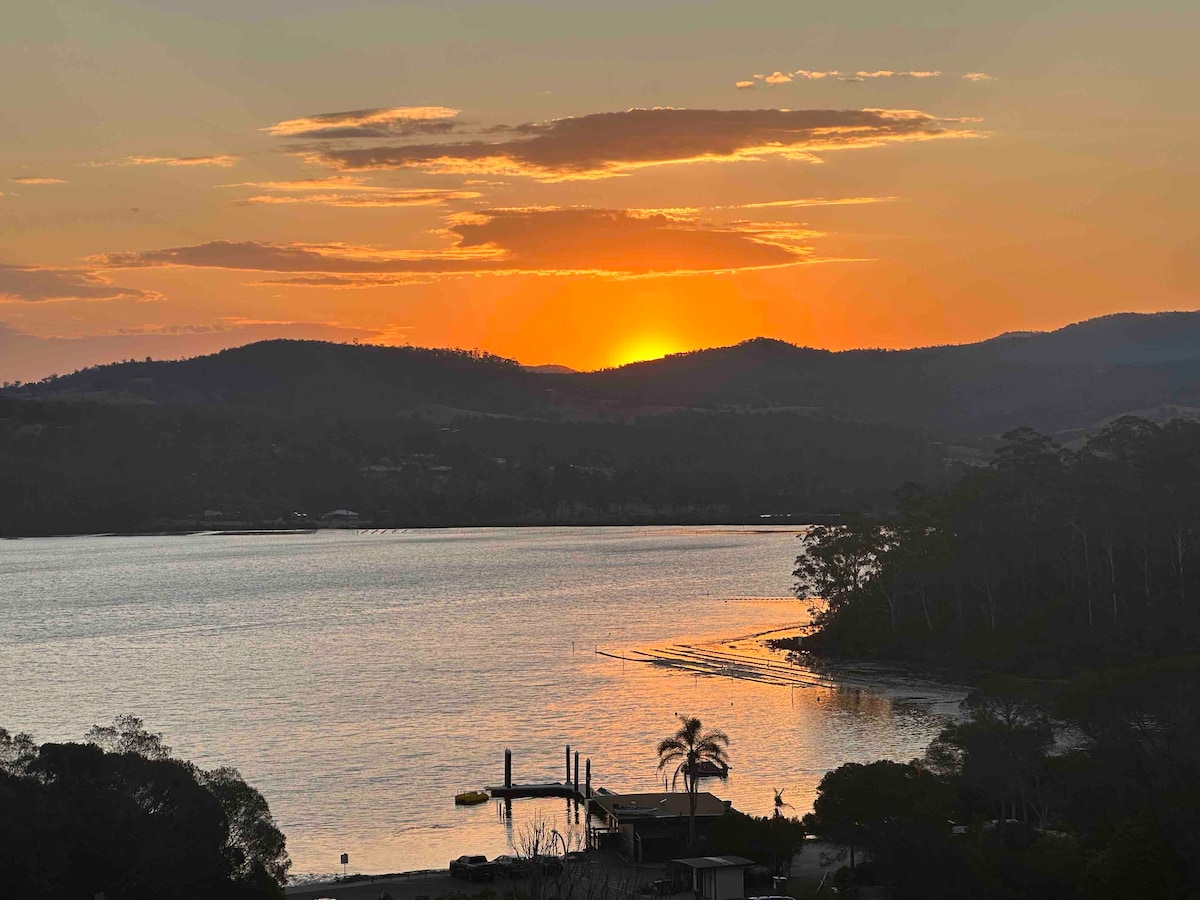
577 771
587 789
568 763
507 768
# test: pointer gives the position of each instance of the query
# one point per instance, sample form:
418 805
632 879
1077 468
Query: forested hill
1068 379
1058 381
312 377
1047 560
289 431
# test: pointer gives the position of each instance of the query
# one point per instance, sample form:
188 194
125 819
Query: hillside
306 377
283 432
1058 381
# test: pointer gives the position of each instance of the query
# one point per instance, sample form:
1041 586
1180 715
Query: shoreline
194 527
323 881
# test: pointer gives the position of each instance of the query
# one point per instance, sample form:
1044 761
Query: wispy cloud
387 121
607 144
811 201
329 183
221 160
382 200
37 284
778 78
346 282
36 179
978 76
546 240
347 191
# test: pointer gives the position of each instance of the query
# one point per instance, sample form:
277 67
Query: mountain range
281 433
1061 381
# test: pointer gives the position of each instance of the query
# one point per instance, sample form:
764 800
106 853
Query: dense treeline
306 376
87 466
998 808
119 817
1066 379
1046 559
1062 380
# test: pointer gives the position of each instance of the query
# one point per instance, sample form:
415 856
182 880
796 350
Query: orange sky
582 183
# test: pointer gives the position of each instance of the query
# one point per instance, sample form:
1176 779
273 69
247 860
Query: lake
361 680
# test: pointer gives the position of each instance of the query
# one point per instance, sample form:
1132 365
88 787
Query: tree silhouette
120 816
686 749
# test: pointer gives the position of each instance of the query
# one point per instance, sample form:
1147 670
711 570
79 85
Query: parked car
510 866
472 868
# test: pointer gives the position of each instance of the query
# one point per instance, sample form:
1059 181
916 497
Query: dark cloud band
539 240
606 144
35 284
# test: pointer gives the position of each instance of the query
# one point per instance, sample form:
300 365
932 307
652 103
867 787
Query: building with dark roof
653 827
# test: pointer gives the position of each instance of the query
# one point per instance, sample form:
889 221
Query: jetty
569 788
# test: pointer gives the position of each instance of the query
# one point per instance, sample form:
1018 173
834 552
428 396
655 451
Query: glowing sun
642 348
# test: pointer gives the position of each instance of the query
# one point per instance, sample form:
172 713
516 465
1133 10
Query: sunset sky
587 183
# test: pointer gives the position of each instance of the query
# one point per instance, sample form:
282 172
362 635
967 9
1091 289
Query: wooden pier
553 789
570 789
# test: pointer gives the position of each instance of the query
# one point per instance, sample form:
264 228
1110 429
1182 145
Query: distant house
716 877
654 827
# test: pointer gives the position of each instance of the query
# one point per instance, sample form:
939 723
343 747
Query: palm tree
686 749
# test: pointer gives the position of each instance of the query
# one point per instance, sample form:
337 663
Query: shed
717 877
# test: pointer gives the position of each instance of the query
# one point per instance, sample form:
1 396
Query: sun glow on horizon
643 348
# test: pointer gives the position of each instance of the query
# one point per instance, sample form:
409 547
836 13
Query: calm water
360 681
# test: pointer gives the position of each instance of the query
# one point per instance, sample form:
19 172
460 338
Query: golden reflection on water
361 682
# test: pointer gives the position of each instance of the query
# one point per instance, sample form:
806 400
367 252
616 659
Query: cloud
811 201
35 284
390 121
332 182
978 76
346 282
367 201
606 144
620 241
347 191
547 240
777 78
36 179
222 160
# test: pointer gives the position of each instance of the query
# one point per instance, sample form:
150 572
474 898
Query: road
602 876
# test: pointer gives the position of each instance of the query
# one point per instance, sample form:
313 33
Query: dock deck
551 789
